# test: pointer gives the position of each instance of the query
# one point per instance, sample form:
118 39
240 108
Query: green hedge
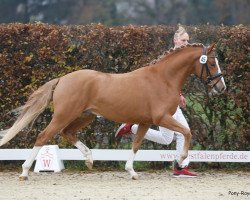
32 54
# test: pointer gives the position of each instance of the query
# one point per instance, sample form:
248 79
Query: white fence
142 155
50 157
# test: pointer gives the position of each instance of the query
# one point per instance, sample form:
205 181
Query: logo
46 159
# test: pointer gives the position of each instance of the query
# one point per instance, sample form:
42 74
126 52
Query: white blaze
219 71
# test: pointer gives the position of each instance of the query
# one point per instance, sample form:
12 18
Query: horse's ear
211 47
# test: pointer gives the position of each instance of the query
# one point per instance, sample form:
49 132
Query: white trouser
166 136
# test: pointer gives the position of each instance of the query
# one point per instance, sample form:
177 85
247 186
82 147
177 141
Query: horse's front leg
170 123
141 131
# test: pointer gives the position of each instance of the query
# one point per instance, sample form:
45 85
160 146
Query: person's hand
182 102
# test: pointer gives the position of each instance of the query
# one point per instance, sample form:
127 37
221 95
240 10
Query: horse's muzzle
218 88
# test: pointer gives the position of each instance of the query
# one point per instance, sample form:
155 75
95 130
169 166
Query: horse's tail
28 113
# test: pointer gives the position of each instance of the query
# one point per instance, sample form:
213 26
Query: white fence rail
142 155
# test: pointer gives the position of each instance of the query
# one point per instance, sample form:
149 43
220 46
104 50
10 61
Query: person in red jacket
164 135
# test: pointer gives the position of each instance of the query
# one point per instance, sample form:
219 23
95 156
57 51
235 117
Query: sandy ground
157 185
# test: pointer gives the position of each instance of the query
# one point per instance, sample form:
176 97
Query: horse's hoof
175 164
132 173
135 177
23 178
89 164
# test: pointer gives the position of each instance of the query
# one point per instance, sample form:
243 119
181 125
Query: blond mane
173 50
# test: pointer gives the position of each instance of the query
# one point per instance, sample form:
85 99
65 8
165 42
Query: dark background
124 12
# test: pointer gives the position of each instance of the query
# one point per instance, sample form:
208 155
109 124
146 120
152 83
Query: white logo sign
48 159
203 59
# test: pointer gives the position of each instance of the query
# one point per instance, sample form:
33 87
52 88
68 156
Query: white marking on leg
86 152
28 163
129 166
83 148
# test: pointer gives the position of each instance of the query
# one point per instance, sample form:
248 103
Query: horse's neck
176 68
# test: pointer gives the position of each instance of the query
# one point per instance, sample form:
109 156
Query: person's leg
179 147
182 170
179 137
163 136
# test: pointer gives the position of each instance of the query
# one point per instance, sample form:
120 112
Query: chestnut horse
146 96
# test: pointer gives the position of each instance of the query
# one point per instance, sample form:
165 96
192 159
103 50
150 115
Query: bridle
204 65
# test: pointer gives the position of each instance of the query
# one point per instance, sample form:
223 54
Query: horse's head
208 69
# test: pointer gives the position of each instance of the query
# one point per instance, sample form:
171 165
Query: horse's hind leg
70 131
28 163
53 128
141 131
